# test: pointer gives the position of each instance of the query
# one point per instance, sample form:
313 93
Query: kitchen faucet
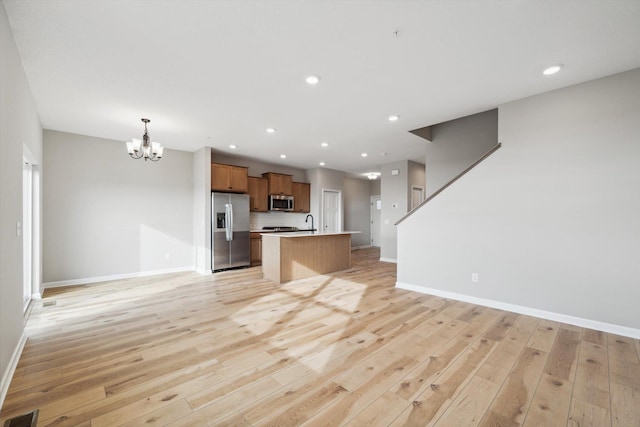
307 219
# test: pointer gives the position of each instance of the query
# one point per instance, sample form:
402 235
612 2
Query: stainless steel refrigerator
229 231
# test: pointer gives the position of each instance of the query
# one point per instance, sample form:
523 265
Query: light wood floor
341 349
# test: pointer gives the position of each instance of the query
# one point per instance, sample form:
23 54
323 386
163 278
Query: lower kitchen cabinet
256 249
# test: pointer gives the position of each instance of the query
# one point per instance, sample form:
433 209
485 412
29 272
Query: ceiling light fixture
283 156
321 163
312 80
364 155
271 130
393 118
233 146
372 175
552 70
145 149
324 144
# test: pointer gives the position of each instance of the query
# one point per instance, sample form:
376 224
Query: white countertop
308 234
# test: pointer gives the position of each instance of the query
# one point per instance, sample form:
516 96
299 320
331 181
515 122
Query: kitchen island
291 256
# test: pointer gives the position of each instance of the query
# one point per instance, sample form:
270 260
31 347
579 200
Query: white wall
357 210
456 144
107 214
202 209
374 187
19 130
549 221
394 199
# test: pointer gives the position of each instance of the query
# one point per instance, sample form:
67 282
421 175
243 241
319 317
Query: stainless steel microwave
280 203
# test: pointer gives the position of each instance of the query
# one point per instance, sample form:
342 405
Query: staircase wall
550 221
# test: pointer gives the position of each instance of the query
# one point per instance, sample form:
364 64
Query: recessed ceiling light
321 163
312 80
383 154
393 118
271 130
233 146
283 156
324 144
552 70
364 154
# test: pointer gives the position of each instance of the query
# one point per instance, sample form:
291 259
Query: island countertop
295 255
303 233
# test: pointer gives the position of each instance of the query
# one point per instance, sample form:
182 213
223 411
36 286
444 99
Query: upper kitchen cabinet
231 179
301 197
258 194
279 183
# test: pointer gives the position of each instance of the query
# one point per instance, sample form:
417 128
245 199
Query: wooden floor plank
470 405
510 406
624 381
435 400
551 403
382 412
584 414
347 348
592 375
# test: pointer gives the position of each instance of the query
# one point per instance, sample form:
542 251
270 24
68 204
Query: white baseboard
11 368
203 271
97 279
395 261
529 311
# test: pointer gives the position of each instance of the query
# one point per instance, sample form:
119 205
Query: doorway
27 220
331 208
417 196
30 230
376 220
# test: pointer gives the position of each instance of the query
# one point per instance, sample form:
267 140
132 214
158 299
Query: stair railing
454 179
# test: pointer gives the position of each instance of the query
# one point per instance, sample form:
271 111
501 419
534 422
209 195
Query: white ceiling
213 73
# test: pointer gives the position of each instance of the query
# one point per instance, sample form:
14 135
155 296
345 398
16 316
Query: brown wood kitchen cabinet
301 197
258 194
232 179
256 249
279 183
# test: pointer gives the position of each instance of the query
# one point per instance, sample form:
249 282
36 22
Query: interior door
331 208
417 196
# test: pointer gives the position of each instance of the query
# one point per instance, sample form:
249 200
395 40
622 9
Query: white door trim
375 212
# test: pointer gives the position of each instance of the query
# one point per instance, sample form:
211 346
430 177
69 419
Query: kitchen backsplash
258 220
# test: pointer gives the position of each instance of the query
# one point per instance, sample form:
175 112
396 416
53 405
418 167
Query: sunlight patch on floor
303 300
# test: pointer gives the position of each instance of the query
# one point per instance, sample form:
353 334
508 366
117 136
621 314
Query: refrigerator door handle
227 228
230 221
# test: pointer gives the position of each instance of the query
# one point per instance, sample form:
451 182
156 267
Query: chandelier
144 148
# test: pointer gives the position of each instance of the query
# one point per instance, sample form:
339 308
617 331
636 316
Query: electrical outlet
474 277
